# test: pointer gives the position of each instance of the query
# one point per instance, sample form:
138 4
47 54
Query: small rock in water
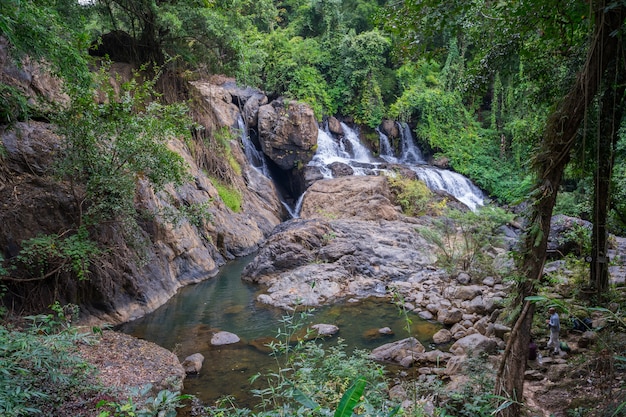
224 338
193 363
325 329
385 330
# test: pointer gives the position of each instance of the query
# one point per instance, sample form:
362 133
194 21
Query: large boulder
474 345
404 352
287 133
216 103
363 197
566 235
317 261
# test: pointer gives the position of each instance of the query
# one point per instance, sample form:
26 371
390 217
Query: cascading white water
359 152
330 150
294 212
254 155
411 154
385 150
451 182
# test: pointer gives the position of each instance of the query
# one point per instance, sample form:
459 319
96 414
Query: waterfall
254 155
295 211
330 150
411 154
385 150
359 152
451 182
350 151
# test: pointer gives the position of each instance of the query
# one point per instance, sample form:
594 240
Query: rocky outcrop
362 197
288 133
167 253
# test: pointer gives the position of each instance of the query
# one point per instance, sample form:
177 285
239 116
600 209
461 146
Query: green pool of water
186 323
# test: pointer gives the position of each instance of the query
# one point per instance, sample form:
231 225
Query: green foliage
312 381
13 105
164 404
37 29
197 214
111 145
309 86
412 195
51 254
475 398
363 59
229 195
461 237
40 368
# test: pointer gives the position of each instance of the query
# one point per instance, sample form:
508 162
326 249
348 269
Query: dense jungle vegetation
491 72
524 97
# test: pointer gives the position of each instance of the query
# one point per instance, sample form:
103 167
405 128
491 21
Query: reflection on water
186 323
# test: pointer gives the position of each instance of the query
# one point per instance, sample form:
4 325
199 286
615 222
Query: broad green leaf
351 398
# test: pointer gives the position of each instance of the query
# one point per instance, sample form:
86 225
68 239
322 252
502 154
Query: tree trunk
610 118
552 158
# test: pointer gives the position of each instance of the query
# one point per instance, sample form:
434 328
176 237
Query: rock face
288 133
563 231
316 261
172 253
362 197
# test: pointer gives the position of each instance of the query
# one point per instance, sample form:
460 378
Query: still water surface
186 323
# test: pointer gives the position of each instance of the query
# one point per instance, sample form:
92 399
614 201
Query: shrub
40 367
413 196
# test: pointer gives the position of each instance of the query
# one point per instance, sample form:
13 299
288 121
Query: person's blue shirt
555 324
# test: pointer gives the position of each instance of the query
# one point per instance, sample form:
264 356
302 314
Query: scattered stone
474 345
587 339
533 375
442 336
404 352
463 278
425 315
449 317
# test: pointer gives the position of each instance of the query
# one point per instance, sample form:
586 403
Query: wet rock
193 363
390 128
287 133
339 169
334 126
325 330
224 338
442 336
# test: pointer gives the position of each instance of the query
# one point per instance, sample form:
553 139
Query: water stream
186 323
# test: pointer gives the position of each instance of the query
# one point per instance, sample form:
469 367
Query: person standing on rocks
554 325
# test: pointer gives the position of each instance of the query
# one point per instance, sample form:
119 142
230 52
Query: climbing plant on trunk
560 134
